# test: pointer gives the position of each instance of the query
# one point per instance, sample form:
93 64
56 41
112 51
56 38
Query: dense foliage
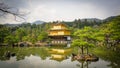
24 32
107 34
85 32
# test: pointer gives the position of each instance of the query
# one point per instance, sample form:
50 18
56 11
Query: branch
5 9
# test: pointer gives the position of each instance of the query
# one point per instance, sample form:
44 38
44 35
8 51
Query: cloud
51 10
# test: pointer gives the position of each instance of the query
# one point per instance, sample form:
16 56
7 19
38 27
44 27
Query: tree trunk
87 64
87 50
79 50
82 50
82 65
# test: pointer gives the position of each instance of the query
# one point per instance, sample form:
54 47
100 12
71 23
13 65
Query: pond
41 58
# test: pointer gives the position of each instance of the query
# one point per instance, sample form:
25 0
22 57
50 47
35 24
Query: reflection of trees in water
3 55
113 65
21 53
41 52
111 56
114 62
83 64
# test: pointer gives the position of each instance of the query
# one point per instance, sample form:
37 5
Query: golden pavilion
60 34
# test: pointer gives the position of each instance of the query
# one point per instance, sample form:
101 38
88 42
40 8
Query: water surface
41 58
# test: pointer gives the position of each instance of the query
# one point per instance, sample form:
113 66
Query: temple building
60 34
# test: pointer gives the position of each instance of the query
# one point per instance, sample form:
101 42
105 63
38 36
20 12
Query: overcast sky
67 10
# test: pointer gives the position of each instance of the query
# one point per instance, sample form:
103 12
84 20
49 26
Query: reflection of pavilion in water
59 54
41 54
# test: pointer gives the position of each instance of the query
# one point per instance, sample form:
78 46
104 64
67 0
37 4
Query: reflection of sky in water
100 64
36 62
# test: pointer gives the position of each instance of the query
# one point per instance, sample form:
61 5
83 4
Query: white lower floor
60 42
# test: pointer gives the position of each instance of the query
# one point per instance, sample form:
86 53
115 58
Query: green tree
20 33
80 43
112 33
114 27
42 36
4 31
10 40
84 38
